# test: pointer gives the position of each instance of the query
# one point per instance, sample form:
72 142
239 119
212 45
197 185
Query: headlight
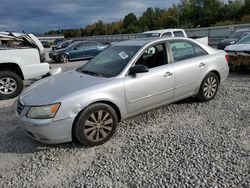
43 112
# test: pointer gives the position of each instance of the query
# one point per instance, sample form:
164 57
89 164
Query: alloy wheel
98 126
64 59
210 87
7 85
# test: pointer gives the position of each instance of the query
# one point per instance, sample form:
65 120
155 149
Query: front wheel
209 87
11 85
95 125
64 58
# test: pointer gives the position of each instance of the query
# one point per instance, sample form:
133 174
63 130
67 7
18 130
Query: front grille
20 107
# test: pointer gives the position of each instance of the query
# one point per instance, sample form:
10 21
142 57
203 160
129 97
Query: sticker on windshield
123 55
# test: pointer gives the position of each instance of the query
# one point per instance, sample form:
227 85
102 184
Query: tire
11 85
209 87
89 128
64 58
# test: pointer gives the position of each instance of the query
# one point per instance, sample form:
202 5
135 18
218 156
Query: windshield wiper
91 73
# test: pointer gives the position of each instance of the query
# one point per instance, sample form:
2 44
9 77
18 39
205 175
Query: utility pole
176 19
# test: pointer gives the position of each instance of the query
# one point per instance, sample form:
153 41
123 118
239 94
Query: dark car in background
233 38
239 53
62 44
77 51
45 44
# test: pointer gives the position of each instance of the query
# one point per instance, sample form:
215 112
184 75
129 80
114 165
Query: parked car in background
239 53
126 79
232 39
170 33
62 44
76 51
164 33
45 44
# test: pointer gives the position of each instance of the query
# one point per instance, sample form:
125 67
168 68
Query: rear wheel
11 85
209 87
64 58
95 125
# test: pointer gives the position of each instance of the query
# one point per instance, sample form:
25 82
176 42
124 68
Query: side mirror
138 69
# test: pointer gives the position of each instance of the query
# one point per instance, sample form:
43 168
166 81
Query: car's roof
163 30
147 41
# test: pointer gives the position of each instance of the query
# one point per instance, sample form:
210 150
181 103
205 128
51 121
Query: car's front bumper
45 130
51 133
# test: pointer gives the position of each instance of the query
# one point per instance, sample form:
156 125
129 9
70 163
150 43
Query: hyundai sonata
128 78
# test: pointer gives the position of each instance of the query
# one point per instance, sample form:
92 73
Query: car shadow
243 71
190 100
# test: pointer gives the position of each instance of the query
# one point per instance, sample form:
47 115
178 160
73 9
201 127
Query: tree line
185 14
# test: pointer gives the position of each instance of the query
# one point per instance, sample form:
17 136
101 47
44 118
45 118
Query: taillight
227 57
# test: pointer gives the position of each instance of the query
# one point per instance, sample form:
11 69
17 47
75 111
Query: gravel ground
186 144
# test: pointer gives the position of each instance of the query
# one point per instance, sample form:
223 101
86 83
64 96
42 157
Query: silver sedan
126 79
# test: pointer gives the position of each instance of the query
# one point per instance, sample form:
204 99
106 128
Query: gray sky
43 15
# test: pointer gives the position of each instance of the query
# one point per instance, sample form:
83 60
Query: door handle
167 74
202 64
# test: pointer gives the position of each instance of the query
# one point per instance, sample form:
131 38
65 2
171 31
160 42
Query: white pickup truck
171 33
21 61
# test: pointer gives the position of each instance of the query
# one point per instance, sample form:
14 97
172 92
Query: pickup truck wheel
11 85
209 87
64 58
95 125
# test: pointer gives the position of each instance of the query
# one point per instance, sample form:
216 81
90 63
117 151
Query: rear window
178 34
167 34
238 34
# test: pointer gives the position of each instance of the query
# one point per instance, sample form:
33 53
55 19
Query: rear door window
90 45
183 50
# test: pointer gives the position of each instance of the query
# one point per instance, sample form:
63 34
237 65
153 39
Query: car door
189 63
90 49
77 51
146 90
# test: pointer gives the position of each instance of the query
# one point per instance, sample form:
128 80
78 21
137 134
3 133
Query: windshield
237 34
146 35
244 40
110 62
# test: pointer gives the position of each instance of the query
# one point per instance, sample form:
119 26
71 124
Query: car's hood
52 89
238 48
227 41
